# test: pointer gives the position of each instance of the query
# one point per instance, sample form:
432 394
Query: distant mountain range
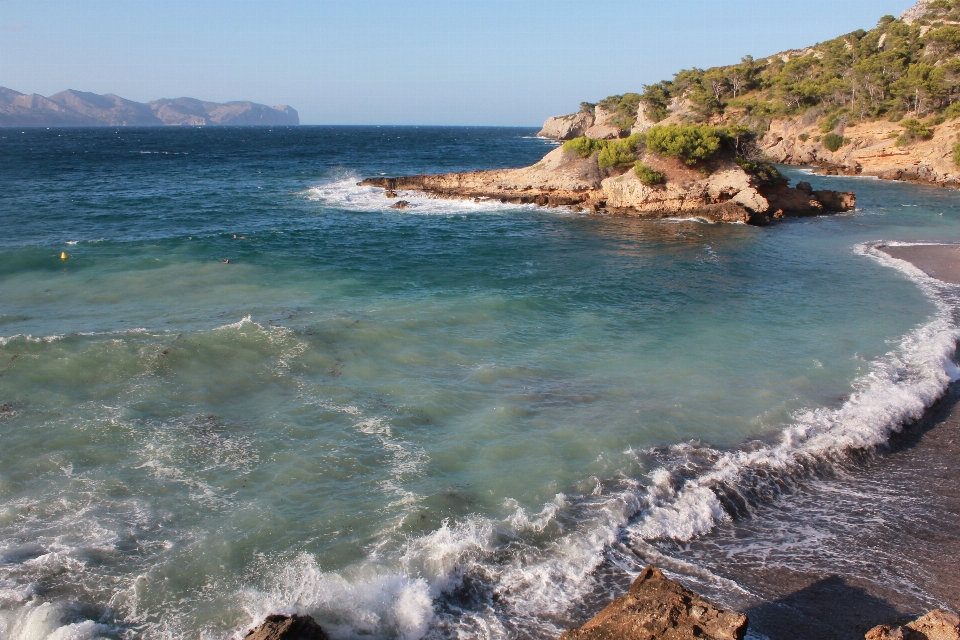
83 109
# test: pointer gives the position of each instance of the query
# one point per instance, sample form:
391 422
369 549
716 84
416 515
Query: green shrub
804 137
916 130
956 154
833 142
619 153
690 143
650 177
583 147
897 116
938 120
615 154
624 123
830 122
953 111
762 169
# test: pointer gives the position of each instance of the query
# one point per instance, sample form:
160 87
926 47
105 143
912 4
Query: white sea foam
369 603
44 622
238 324
345 194
5 340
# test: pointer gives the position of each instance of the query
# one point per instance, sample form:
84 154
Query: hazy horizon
382 62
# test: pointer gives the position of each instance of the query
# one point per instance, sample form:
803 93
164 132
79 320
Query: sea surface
251 386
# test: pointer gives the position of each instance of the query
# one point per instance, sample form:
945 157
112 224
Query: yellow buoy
63 255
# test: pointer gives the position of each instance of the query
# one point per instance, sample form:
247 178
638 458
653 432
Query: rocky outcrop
725 194
936 625
871 150
916 12
659 608
602 129
83 109
594 123
279 627
567 127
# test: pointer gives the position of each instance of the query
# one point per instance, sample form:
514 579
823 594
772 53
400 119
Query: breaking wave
346 194
520 575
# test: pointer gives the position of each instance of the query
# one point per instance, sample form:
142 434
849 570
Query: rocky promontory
716 188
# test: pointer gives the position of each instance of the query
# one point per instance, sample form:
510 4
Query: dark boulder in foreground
657 607
936 625
280 627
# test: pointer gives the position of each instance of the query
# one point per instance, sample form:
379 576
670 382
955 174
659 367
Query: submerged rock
657 607
400 204
280 627
936 625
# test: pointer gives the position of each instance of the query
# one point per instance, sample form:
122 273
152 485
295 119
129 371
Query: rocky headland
717 189
882 103
83 109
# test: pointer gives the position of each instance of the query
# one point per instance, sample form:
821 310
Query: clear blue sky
485 62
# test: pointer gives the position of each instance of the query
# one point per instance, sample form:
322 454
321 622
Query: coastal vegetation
693 144
891 72
833 141
648 175
689 143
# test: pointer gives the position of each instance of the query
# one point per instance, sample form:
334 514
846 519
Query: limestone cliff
872 150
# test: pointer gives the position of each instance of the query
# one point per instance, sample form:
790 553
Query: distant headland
83 109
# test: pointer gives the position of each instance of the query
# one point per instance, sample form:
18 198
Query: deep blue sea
250 386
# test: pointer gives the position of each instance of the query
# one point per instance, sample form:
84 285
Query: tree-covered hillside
895 70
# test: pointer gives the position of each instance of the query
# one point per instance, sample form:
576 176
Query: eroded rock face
280 627
871 150
567 127
657 607
936 625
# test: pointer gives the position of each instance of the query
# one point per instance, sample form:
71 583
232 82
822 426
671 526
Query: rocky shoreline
655 608
717 191
870 149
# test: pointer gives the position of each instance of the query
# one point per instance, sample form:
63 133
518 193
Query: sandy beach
910 521
940 261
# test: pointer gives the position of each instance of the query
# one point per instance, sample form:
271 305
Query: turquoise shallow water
421 423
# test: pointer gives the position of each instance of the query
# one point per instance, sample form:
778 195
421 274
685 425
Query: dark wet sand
876 543
879 543
941 261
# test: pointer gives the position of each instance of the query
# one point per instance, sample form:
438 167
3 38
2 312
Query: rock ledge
280 627
657 607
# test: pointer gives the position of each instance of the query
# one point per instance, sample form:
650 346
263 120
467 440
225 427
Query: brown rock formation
279 627
871 151
657 607
726 194
567 127
936 625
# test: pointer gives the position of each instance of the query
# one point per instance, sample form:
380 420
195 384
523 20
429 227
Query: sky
444 62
